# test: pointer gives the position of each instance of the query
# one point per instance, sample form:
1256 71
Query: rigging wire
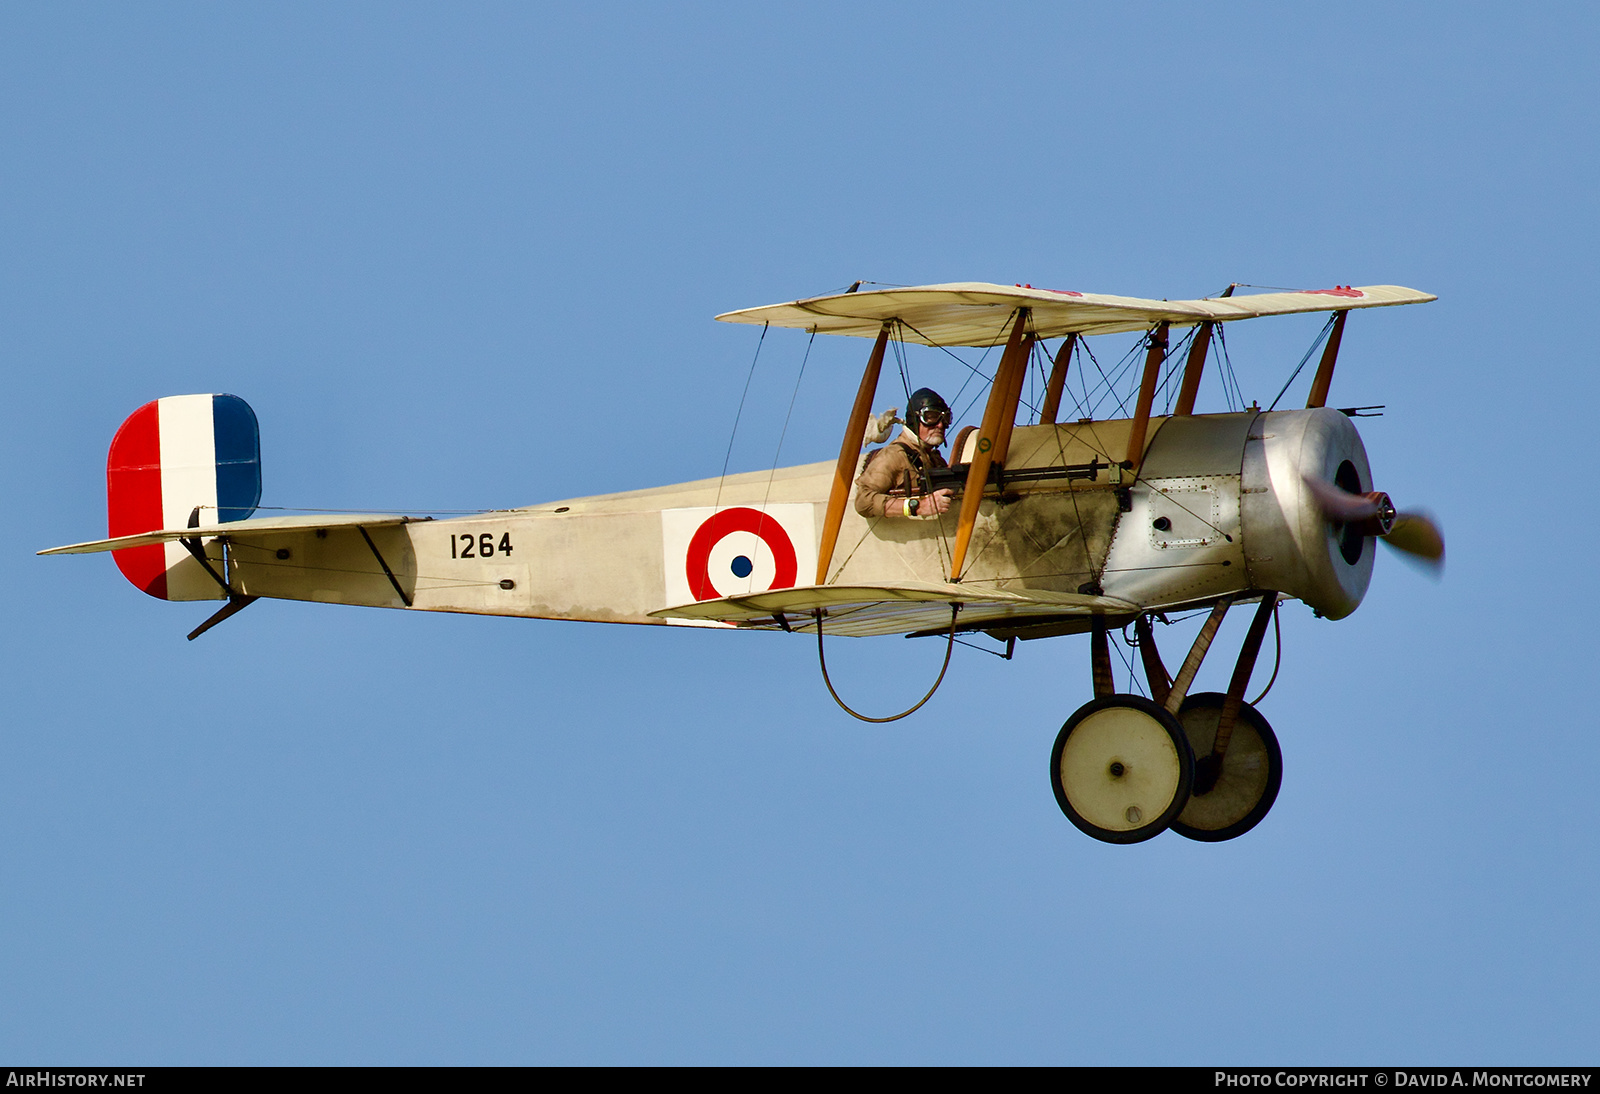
1080 407
1228 372
1326 327
740 413
988 384
1175 356
974 370
1088 409
823 661
985 649
785 432
1133 677
900 362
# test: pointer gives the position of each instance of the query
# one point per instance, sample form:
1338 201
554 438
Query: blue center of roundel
742 566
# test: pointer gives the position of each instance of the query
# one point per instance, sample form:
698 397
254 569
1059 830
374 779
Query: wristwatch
912 506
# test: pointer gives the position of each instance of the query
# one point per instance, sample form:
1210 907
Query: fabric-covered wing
859 611
972 313
238 529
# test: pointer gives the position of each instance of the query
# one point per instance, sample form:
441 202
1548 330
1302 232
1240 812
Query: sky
467 256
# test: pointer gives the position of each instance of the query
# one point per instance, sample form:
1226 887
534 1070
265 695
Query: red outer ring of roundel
698 559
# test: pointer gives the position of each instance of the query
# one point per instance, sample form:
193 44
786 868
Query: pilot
895 481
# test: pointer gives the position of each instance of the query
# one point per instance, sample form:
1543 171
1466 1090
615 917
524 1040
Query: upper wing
863 610
972 313
237 529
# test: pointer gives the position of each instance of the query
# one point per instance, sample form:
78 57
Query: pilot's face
930 430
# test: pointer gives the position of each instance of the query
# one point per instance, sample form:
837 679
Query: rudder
171 457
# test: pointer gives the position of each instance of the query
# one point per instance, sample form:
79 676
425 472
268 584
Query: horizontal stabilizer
864 610
973 313
235 530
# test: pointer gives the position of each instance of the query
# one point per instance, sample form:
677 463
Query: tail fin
177 462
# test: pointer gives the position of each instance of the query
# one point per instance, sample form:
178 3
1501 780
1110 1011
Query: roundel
739 551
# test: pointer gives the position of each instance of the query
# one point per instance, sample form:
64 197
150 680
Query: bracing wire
1175 359
1133 677
785 432
740 413
899 345
1228 373
1326 327
1108 381
975 370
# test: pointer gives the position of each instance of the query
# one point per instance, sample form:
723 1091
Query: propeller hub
1381 522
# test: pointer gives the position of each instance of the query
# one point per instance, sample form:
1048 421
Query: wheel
1121 769
1247 783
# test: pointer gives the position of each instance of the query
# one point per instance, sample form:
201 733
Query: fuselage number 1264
468 545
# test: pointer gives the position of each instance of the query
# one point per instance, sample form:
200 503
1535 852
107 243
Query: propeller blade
1415 535
1418 535
1338 504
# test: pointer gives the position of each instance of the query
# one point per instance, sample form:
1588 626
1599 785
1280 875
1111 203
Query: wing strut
1147 394
849 452
1003 395
1191 370
1008 419
1330 354
388 573
1058 380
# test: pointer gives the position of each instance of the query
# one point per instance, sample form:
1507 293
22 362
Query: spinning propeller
1373 514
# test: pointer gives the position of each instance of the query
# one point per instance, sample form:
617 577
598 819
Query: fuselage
1218 506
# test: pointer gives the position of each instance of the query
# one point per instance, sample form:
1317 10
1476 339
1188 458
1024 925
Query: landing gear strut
1126 768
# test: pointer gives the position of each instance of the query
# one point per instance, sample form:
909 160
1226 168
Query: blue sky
467 256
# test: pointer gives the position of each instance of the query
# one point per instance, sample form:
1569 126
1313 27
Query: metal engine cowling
1289 545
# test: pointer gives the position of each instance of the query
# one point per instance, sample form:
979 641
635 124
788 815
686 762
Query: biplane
1053 528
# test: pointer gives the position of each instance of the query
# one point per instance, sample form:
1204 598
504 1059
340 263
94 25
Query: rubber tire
1243 765
1181 754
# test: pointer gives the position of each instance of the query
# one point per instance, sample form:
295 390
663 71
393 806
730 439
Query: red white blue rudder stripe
170 458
